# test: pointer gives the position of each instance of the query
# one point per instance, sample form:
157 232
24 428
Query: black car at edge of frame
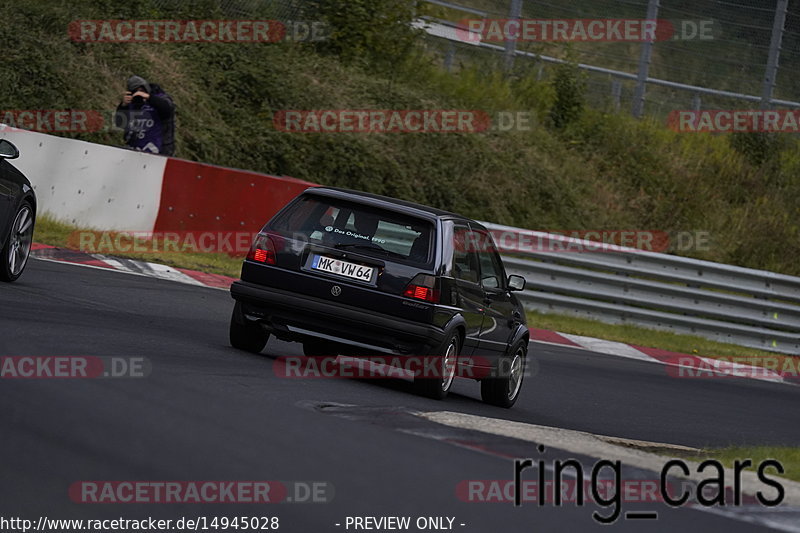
17 215
347 272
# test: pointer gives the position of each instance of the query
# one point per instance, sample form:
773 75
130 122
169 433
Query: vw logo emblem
336 290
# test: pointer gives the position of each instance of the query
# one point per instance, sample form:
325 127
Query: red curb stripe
93 262
209 280
66 255
545 335
674 358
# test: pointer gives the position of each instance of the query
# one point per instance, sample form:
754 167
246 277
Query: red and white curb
682 365
153 270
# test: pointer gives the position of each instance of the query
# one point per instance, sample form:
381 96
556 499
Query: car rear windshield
362 228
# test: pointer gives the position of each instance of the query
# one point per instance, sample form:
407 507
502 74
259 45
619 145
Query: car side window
465 259
492 276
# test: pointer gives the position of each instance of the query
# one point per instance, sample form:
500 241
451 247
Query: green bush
569 85
378 32
757 147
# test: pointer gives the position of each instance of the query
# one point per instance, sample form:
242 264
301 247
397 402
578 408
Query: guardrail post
449 57
511 44
644 63
616 94
771 73
697 103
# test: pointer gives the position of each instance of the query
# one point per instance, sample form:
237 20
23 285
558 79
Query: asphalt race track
209 412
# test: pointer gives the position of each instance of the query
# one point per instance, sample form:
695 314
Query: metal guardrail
615 284
456 33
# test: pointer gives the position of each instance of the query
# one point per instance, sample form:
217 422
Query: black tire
248 337
17 249
503 390
437 387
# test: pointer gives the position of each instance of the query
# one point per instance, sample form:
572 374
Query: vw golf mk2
352 273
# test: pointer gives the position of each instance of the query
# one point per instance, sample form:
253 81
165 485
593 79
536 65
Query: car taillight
262 250
422 287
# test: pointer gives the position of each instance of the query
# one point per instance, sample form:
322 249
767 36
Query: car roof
395 204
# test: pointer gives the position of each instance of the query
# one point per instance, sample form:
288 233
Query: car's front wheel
503 389
17 249
248 337
438 385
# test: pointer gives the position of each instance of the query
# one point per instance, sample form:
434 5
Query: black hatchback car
17 215
347 272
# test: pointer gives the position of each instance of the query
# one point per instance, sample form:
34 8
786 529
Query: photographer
147 116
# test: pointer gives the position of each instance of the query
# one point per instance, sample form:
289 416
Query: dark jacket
149 126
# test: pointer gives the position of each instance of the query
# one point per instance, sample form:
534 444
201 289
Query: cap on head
134 82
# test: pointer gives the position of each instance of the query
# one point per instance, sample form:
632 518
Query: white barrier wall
90 185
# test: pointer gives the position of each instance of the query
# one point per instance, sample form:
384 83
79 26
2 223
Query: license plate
342 268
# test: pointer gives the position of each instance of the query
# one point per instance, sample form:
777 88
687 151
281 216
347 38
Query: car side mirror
490 282
8 150
516 283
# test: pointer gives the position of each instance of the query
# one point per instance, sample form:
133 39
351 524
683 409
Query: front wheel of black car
17 249
247 337
503 390
438 385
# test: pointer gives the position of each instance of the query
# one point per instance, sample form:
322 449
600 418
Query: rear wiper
372 247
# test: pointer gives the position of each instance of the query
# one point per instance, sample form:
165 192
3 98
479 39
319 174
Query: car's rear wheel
248 337
17 249
439 385
503 390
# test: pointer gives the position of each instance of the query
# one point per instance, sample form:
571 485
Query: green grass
788 457
665 340
55 233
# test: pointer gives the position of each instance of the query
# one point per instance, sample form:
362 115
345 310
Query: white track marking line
609 347
619 349
601 447
154 270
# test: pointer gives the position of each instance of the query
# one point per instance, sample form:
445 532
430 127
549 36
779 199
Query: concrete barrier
102 187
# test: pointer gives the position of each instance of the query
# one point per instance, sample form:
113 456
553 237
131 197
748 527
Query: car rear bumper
290 316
